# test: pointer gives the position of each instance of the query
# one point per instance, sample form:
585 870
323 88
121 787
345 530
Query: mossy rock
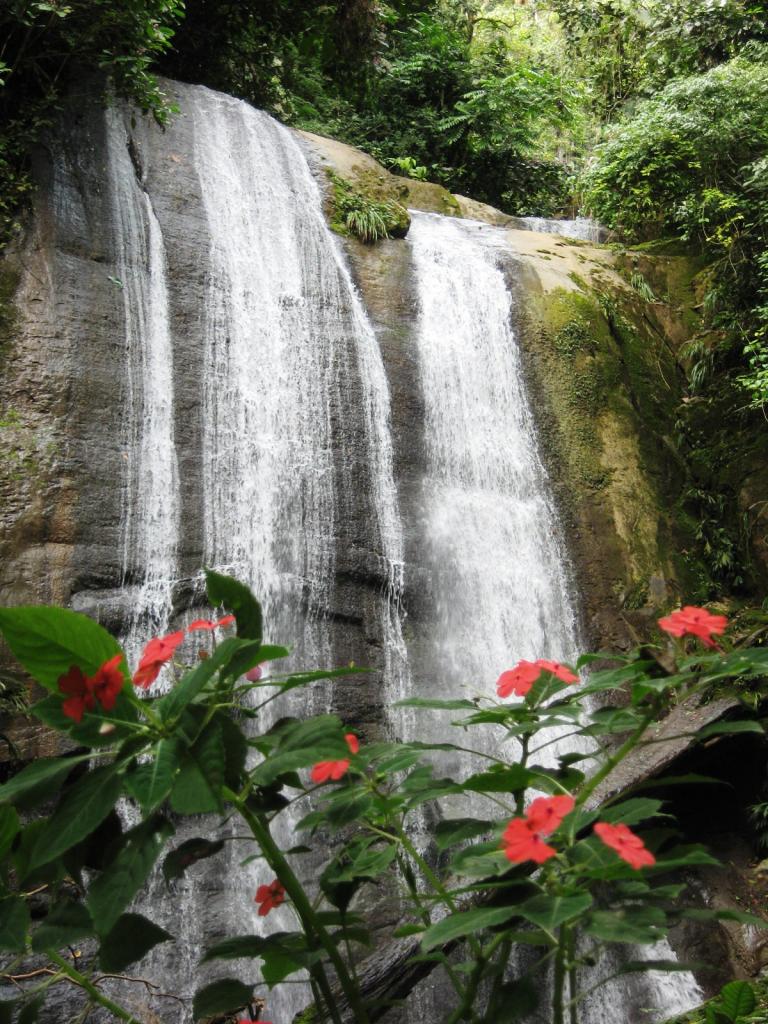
366 208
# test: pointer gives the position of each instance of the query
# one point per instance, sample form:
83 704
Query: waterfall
581 227
294 409
501 578
150 527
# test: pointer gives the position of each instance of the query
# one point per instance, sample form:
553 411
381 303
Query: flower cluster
160 649
522 837
698 622
269 896
334 770
520 679
83 692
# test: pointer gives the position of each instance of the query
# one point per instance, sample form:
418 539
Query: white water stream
581 227
150 527
502 580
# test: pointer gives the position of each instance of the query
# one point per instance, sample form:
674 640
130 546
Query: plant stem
559 980
304 909
74 975
573 1012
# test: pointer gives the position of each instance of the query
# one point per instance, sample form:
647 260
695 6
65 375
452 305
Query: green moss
369 212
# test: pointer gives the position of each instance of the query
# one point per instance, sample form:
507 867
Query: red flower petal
158 651
201 624
521 843
562 672
107 683
352 742
226 621
696 622
74 707
269 897
626 844
547 812
518 680
73 682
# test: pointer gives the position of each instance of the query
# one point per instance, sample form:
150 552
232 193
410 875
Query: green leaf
631 924
515 1000
631 812
66 923
238 599
31 1009
197 789
130 940
483 860
723 728
282 953
670 966
193 682
437 705
123 716
83 808
253 654
466 922
114 889
549 912
456 830
189 853
737 999
9 827
149 784
224 996
301 744
368 863
7 1008
43 777
499 779
48 641
14 924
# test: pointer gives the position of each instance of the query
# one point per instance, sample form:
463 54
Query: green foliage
693 161
186 752
49 45
367 219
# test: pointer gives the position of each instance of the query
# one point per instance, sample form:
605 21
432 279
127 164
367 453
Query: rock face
602 372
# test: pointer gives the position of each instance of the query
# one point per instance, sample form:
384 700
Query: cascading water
286 340
501 580
500 574
150 527
581 227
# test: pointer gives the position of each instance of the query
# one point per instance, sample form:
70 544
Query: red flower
253 675
209 623
522 843
108 682
623 840
80 697
522 836
520 679
325 770
269 896
158 651
546 813
696 621
84 691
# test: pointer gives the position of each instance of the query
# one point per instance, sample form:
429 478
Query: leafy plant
560 873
